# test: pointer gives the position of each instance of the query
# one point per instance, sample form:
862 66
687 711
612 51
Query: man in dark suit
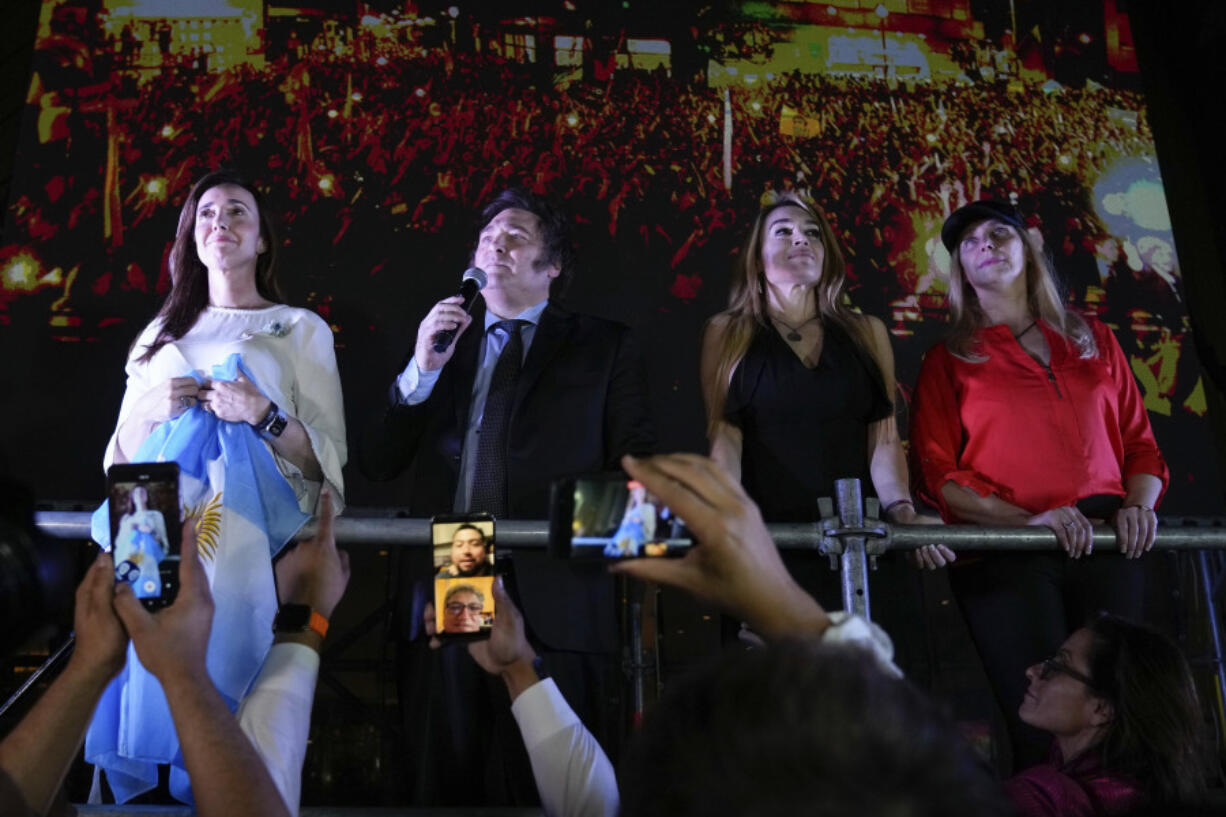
576 404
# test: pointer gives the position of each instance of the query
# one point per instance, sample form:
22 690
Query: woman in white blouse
223 300
243 392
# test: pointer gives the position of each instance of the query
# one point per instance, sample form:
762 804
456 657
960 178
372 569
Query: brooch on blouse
274 329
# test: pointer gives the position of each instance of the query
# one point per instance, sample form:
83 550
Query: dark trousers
1020 607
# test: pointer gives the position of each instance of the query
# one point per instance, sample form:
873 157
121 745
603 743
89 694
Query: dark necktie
489 492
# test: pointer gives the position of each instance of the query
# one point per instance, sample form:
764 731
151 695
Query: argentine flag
247 512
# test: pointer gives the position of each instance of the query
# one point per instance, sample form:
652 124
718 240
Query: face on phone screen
618 518
145 533
463 575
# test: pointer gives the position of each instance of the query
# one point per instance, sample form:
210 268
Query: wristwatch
298 618
274 422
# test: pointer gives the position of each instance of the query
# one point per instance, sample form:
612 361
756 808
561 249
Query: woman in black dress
798 387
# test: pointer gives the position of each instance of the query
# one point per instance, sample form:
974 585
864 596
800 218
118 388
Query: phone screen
464 562
145 529
610 516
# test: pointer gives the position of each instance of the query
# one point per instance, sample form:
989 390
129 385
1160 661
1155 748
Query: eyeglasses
456 608
1054 666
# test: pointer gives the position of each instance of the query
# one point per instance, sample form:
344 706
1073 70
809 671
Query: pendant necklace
794 331
1032 325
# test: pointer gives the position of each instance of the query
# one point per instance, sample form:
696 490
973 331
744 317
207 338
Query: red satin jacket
1038 437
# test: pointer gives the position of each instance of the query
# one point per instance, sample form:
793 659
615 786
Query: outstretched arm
39 750
276 714
737 565
227 776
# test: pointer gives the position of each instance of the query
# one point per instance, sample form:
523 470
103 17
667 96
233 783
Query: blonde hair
1043 299
747 305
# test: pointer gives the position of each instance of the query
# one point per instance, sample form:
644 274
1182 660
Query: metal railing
849 532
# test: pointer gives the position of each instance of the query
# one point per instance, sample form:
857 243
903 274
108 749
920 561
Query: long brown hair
966 316
189 278
1155 735
747 306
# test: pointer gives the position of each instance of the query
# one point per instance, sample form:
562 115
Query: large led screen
377 130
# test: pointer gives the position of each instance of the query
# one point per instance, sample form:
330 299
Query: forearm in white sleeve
573 775
276 715
415 386
846 628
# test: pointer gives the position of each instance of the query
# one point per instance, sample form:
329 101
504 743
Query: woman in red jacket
1028 414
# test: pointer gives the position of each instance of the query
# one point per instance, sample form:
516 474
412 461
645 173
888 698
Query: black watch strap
291 618
274 422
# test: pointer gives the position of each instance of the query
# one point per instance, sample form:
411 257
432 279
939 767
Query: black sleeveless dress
803 428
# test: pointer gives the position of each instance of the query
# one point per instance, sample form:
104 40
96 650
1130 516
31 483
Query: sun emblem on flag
208 525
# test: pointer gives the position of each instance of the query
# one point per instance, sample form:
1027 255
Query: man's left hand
507 643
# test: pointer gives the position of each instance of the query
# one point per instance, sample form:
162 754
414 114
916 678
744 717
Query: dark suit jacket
580 404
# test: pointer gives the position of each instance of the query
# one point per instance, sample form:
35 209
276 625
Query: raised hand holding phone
734 564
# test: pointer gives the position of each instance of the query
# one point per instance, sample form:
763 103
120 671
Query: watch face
278 424
292 618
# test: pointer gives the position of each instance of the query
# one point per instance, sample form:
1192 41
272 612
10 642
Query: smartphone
465 560
143 498
610 516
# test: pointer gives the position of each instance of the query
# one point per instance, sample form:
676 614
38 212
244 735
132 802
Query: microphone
472 283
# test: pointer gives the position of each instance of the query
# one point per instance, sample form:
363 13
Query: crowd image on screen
376 148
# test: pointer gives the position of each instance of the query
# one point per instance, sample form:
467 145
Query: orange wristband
319 624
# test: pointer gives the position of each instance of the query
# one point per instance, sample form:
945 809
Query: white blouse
288 353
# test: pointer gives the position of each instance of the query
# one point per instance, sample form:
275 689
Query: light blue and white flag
247 512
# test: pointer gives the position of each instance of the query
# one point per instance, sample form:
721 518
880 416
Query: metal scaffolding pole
850 540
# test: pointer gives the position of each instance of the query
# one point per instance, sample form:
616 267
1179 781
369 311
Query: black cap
976 212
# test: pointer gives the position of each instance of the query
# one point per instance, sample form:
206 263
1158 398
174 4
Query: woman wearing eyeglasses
1119 701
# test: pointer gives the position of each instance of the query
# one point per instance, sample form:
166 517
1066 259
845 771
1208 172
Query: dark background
60 383
656 233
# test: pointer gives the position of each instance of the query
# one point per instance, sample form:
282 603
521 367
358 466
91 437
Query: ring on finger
185 401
